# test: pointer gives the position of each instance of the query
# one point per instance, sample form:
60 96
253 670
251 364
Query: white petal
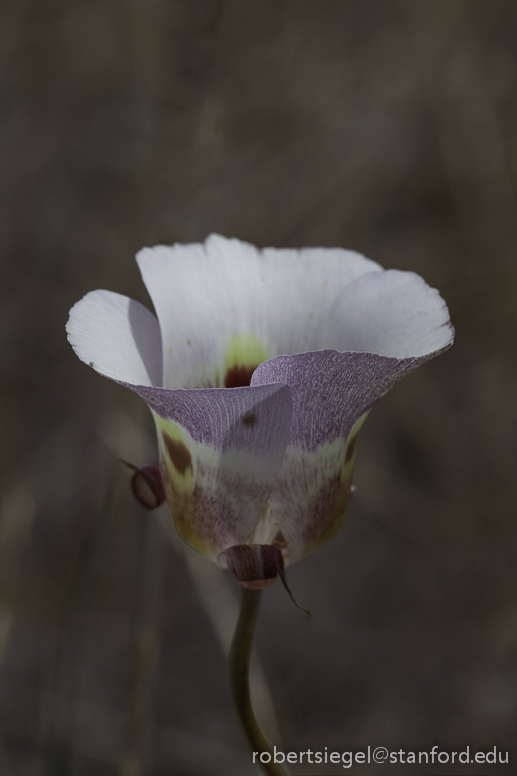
224 303
118 337
390 313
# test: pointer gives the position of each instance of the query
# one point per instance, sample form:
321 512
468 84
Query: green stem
240 653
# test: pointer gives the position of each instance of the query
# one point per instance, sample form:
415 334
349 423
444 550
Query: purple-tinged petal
332 393
224 306
221 451
116 336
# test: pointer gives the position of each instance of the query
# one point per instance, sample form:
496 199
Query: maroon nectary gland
238 376
147 485
257 566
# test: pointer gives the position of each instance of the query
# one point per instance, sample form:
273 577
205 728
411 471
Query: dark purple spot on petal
178 453
238 376
249 420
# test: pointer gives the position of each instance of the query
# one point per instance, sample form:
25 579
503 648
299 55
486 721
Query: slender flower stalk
240 654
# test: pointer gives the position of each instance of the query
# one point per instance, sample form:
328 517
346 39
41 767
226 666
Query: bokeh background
386 127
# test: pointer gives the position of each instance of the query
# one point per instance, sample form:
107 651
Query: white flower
259 369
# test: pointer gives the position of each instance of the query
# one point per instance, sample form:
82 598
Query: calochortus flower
259 369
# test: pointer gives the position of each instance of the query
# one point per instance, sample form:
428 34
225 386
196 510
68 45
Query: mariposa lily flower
259 369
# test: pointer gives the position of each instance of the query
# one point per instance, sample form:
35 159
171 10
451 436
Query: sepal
257 566
147 485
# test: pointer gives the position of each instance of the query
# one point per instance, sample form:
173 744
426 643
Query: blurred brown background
387 127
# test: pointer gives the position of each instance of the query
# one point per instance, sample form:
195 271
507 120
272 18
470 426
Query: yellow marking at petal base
245 350
340 506
179 482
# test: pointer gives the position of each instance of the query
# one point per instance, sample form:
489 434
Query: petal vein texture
260 368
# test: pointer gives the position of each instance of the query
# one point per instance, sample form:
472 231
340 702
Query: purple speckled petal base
221 451
332 392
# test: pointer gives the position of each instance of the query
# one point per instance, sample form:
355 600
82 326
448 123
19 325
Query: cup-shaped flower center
243 355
